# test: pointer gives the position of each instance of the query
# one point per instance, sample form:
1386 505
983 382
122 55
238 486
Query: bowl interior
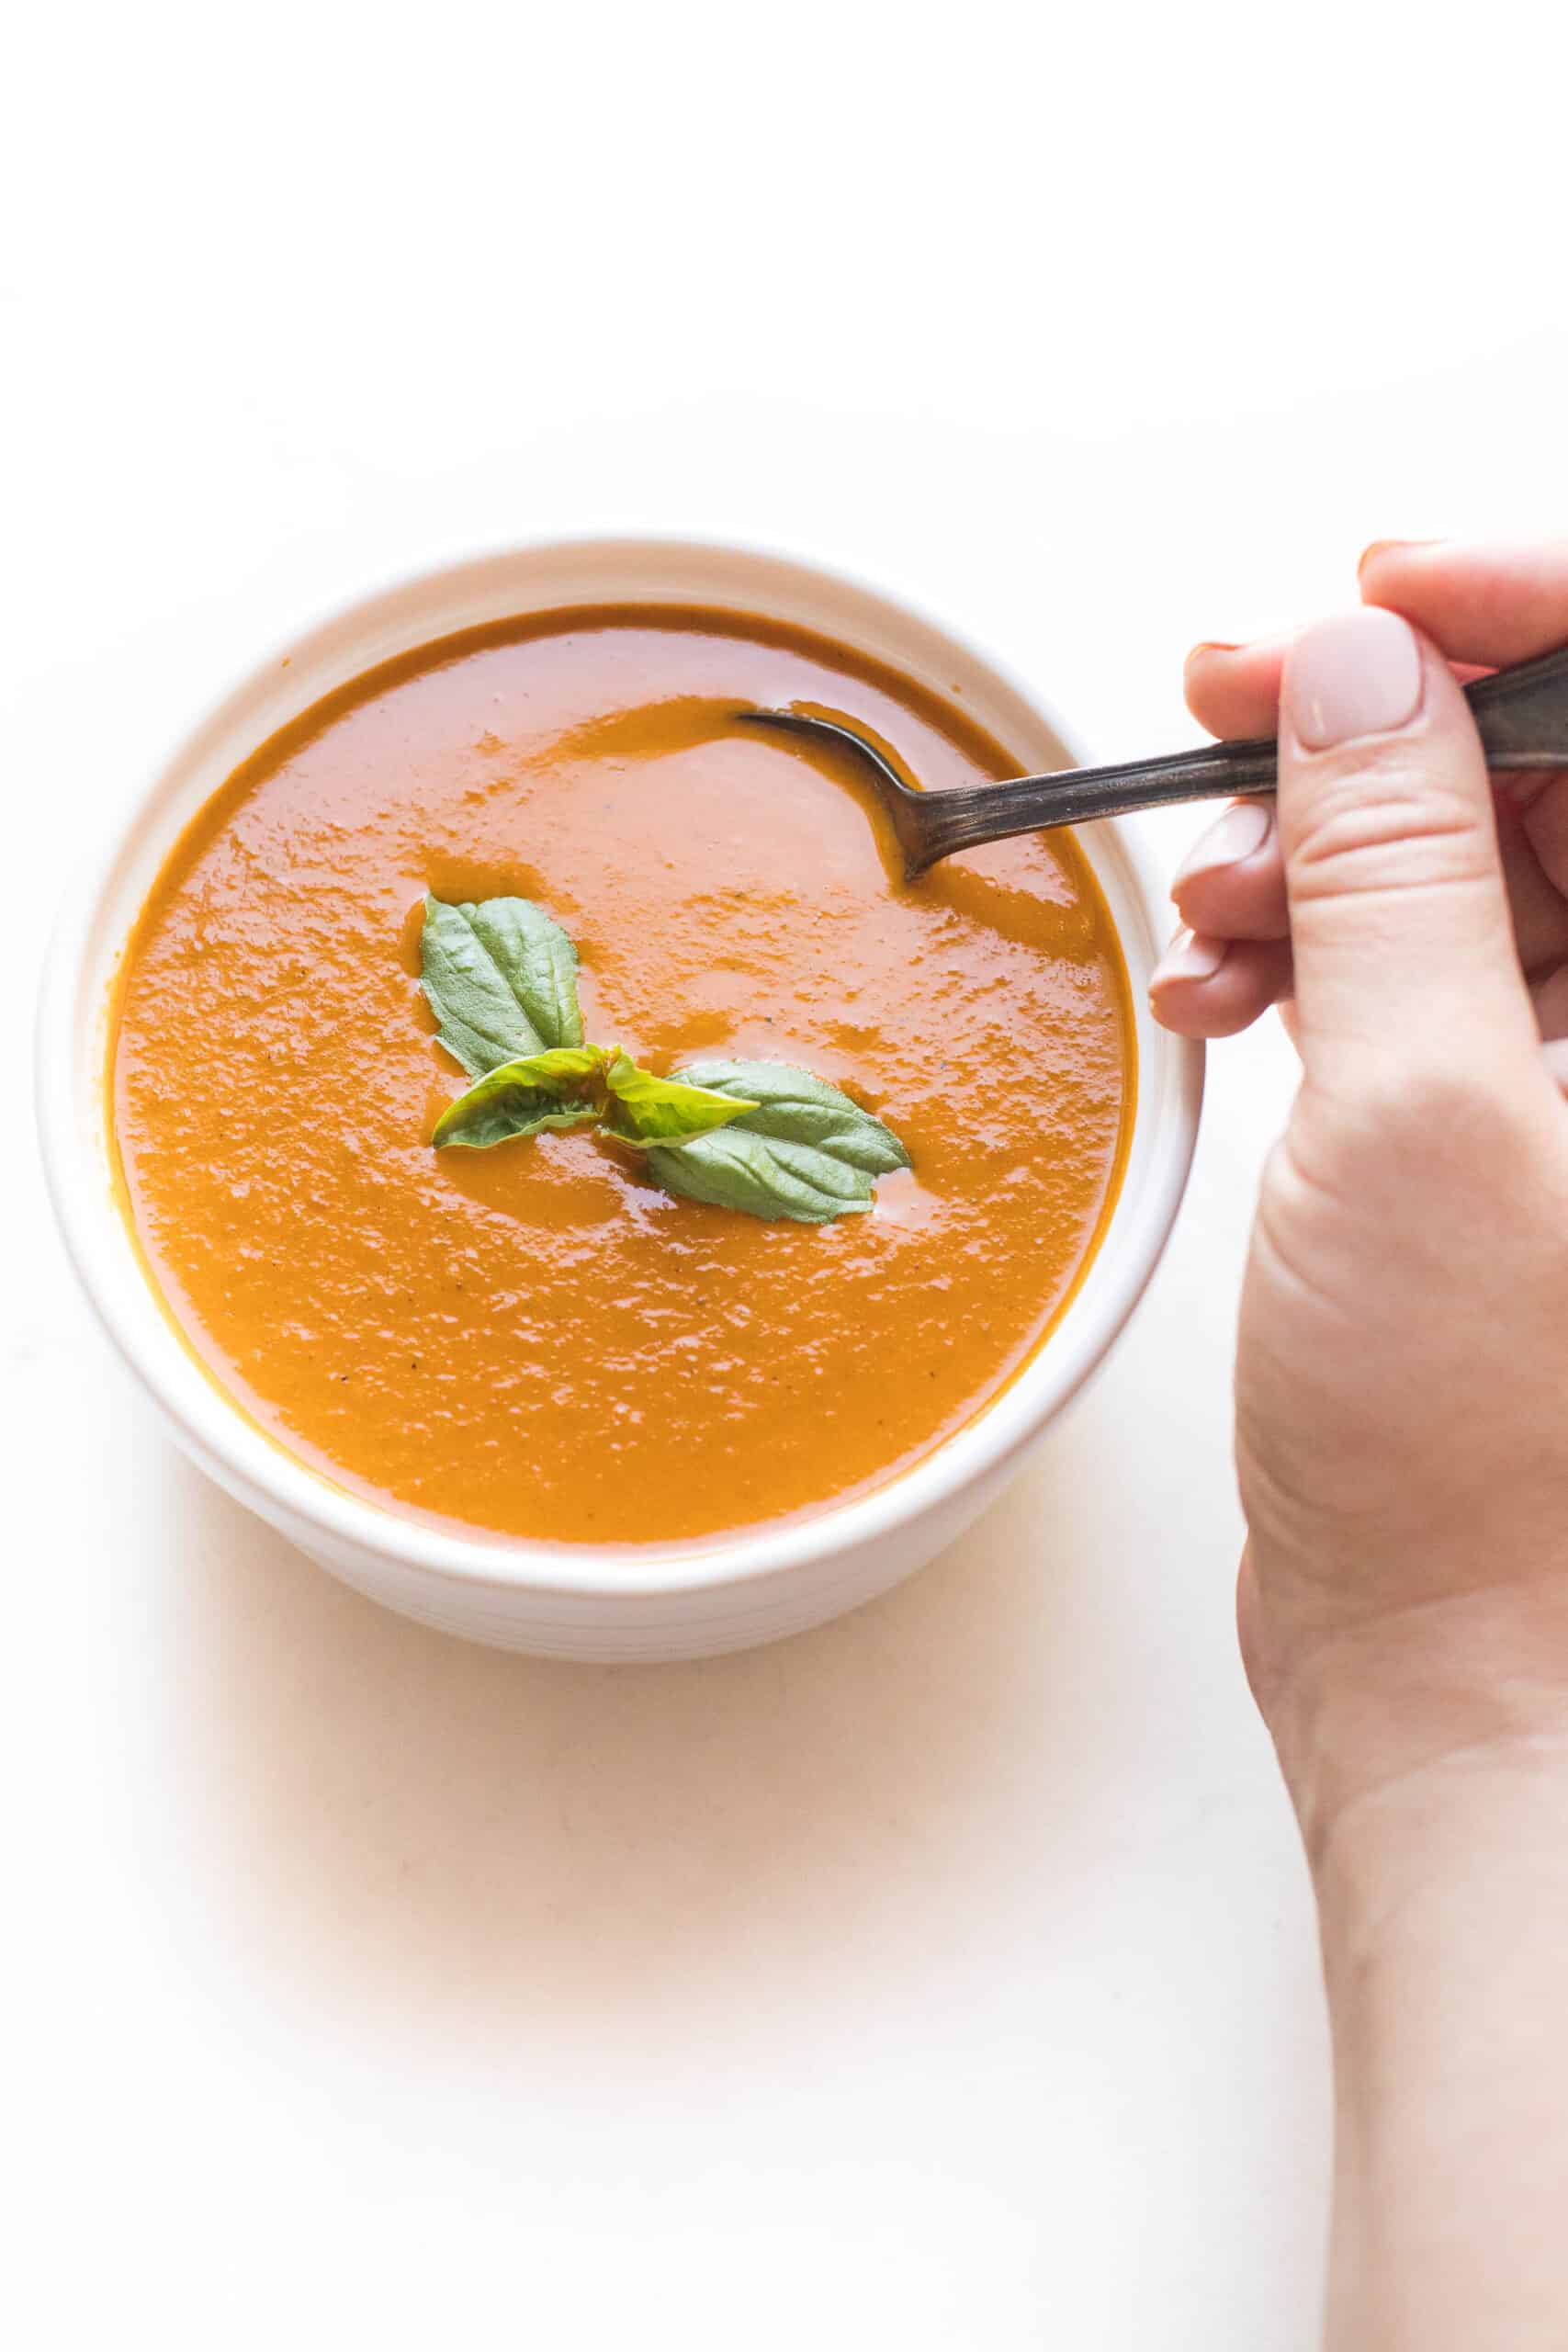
73 1038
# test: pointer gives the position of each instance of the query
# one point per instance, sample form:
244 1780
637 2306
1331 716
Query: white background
945 1979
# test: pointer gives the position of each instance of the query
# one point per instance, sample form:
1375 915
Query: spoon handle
1522 715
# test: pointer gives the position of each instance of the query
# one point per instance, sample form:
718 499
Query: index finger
1234 690
1486 604
1483 604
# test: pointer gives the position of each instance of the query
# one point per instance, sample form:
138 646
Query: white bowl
581 1603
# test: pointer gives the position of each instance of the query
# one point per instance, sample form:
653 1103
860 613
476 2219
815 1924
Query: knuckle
1387 825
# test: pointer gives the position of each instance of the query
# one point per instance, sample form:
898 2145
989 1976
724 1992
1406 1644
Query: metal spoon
1522 714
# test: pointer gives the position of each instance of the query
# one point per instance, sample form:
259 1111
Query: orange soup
538 1340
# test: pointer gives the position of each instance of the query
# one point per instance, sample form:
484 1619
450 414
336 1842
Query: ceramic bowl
560 1602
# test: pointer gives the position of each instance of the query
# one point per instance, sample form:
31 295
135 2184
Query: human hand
1401 1431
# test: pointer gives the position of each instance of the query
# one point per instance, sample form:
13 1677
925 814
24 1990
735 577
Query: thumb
1404 942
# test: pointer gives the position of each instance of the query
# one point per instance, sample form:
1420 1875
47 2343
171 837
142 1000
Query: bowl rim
260 1470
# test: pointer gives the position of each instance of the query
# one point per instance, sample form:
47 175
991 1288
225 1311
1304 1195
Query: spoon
1522 715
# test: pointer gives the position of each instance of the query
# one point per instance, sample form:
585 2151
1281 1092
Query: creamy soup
538 1340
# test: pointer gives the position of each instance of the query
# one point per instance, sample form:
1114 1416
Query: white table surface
943 1979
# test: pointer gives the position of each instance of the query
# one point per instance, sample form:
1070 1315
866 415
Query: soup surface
535 1340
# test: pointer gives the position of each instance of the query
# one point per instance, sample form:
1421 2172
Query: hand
1403 1367
1402 1414
1484 611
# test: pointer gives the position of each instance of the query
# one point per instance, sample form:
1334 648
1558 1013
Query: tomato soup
538 1340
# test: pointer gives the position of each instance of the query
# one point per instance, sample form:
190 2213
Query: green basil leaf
798 1108
643 1109
500 978
803 1150
558 1088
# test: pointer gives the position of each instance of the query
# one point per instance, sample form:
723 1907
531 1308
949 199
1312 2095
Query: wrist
1443 1904
1475 1835
1465 1692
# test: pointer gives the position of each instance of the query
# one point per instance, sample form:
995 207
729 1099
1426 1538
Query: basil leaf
798 1108
643 1109
524 1097
573 1084
803 1150
500 978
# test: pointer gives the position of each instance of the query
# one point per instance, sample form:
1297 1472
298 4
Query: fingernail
1190 956
1213 645
1373 547
1382 547
1238 832
1357 674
